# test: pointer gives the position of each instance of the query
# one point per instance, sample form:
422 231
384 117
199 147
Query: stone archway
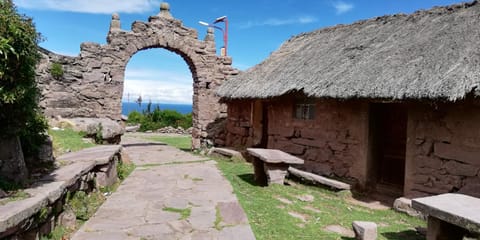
95 79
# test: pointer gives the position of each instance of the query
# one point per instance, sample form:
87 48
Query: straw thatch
426 55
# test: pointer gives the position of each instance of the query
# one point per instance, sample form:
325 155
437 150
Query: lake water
128 107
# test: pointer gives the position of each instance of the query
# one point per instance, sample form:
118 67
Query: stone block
67 218
429 162
308 142
275 172
365 230
108 176
463 154
289 147
460 169
404 205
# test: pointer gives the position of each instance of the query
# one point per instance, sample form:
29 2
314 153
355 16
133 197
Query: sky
256 29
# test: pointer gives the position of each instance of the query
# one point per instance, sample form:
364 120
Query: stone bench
450 216
19 219
271 165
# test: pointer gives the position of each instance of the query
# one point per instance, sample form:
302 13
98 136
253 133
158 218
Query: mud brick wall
238 126
443 149
333 143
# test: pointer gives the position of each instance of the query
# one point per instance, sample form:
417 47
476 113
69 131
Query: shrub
56 70
152 120
134 117
19 115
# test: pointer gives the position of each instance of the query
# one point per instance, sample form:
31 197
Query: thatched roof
428 55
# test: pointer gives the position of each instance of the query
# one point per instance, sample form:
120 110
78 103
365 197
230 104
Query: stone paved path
168 178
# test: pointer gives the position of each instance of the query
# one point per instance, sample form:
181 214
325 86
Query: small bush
152 120
56 70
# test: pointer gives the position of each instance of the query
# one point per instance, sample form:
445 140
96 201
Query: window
305 111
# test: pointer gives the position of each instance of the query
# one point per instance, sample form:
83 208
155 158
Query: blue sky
257 27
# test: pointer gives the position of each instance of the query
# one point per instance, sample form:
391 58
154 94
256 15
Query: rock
45 153
67 218
365 230
12 163
3 194
340 230
107 175
132 128
111 131
306 198
404 205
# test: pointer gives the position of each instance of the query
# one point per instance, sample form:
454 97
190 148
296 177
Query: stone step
226 152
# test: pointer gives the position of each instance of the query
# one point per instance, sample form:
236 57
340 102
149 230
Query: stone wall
45 204
333 143
443 149
442 152
238 127
92 84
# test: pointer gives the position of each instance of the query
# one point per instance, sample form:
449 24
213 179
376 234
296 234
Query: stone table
271 165
450 216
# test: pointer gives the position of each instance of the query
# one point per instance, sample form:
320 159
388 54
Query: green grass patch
218 219
184 212
67 140
57 234
14 196
124 170
269 216
181 142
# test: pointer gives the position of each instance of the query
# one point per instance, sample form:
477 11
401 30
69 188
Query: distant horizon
143 102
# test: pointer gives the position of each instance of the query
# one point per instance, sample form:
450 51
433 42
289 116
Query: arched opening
157 90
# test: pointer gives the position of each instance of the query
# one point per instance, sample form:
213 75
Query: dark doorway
260 124
264 142
388 131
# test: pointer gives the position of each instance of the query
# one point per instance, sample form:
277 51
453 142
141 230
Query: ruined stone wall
333 143
92 85
443 149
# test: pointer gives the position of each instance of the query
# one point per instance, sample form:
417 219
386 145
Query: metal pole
225 35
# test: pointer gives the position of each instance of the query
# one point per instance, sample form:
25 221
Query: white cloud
158 86
96 6
342 7
279 22
161 92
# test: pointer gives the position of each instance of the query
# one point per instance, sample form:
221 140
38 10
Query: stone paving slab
138 209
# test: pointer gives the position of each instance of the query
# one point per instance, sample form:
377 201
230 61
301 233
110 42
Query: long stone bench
271 165
450 216
17 218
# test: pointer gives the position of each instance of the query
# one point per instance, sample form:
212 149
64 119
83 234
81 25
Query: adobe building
390 103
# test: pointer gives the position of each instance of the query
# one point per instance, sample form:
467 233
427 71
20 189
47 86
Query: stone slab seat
271 165
449 209
51 187
274 156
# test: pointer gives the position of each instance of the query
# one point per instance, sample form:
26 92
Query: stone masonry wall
331 144
334 143
443 149
238 127
92 85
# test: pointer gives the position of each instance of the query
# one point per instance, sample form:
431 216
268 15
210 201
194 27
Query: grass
184 212
14 196
67 140
183 143
270 219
